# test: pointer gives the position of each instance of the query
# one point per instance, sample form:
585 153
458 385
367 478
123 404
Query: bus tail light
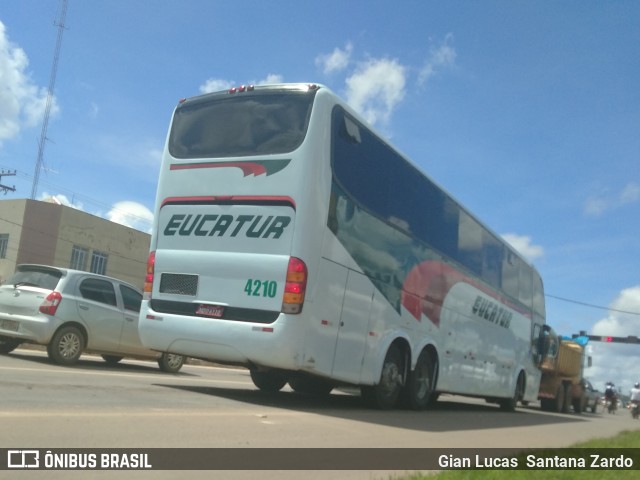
51 303
148 279
295 286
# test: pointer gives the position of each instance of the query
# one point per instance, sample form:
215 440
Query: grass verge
626 439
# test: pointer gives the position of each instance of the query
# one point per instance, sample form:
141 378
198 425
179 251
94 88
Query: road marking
72 371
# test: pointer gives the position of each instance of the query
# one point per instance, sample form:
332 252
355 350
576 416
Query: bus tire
510 404
112 359
386 394
8 345
268 381
310 386
418 392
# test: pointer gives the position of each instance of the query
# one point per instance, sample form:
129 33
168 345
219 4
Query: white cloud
617 362
131 214
269 79
219 84
596 205
440 57
630 194
335 61
523 245
376 88
215 85
61 199
22 103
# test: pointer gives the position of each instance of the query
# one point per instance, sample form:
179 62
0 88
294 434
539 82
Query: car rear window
47 279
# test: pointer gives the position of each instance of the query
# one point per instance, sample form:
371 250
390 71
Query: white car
72 311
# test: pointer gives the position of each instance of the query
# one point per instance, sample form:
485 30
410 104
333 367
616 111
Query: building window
79 258
4 241
99 262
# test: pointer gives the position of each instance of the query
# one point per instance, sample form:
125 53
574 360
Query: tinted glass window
244 124
35 277
99 291
386 186
389 187
538 295
131 298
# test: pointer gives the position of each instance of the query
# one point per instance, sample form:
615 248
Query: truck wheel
559 399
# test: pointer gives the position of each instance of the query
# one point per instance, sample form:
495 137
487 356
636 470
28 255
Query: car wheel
170 362
112 359
66 346
8 345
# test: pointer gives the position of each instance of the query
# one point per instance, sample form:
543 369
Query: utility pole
3 188
47 110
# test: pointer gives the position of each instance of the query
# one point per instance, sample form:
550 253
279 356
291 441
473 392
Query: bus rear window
240 125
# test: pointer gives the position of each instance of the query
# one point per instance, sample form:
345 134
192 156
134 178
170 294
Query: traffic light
609 339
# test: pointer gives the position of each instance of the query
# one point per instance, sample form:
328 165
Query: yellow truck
562 385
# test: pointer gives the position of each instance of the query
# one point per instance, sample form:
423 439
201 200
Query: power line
577 302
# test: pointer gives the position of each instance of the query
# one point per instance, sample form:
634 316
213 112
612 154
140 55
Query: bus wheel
419 389
8 345
268 381
112 359
310 386
386 393
510 404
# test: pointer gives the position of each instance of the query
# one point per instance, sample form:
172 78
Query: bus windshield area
224 125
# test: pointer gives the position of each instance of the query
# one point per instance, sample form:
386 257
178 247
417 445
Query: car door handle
83 307
130 319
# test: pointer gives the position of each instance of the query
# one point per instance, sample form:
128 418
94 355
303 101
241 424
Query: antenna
47 110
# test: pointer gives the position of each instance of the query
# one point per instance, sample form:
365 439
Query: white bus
291 239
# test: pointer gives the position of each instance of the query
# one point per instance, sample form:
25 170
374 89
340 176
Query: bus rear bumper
277 345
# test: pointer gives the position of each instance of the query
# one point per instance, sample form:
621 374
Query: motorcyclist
635 393
611 396
634 403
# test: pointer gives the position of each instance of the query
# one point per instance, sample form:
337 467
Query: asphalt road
134 405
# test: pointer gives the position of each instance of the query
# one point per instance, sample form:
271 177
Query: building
52 234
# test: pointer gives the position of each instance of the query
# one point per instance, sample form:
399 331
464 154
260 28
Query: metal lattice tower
47 110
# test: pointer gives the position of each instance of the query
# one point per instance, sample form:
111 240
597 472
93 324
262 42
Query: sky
527 112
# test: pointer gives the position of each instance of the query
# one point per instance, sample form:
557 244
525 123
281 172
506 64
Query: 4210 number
261 288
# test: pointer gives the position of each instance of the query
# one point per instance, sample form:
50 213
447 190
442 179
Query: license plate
215 311
10 325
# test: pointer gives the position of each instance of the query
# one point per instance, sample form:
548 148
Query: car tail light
295 286
148 279
51 303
